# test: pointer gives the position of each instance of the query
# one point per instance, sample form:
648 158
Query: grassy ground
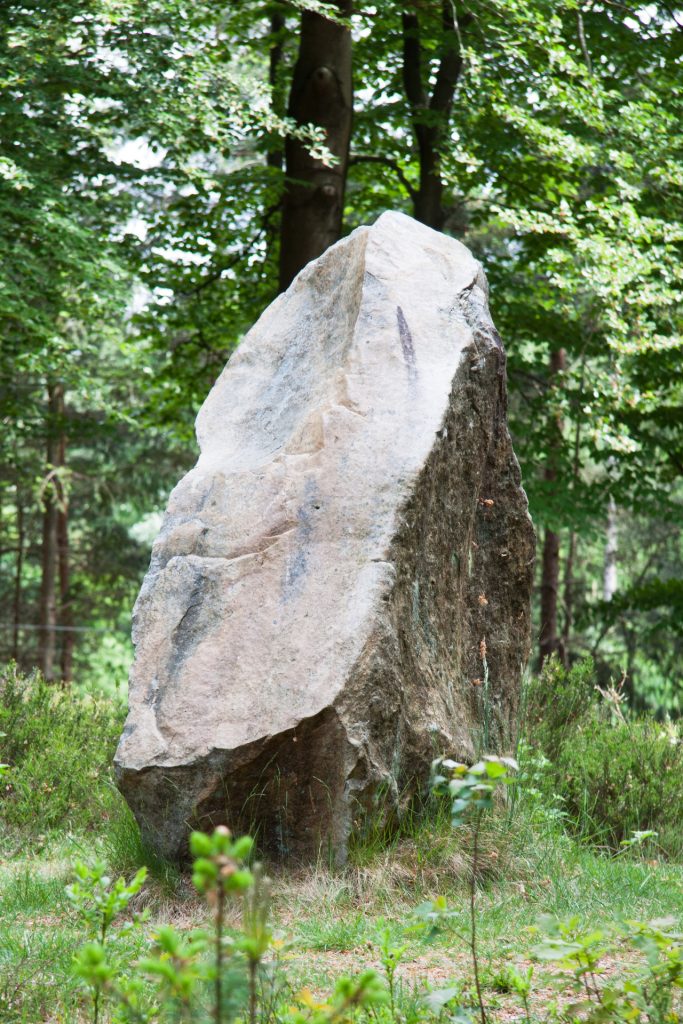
402 903
333 922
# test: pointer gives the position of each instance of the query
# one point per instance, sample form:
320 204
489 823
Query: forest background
166 167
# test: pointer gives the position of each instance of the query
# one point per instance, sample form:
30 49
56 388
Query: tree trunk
568 600
49 550
321 94
571 546
550 642
48 597
428 202
550 583
18 573
431 114
65 619
277 26
609 587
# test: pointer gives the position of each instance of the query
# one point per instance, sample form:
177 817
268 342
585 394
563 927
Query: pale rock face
309 634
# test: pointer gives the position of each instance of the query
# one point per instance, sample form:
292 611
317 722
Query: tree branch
451 63
412 62
582 41
368 158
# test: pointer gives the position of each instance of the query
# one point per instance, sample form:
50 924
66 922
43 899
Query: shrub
623 777
57 750
606 775
556 702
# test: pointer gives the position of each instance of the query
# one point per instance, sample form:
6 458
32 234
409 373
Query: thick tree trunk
428 202
431 114
321 94
50 542
550 642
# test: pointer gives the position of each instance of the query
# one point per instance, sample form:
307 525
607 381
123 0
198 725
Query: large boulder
341 587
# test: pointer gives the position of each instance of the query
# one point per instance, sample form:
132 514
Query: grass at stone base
332 920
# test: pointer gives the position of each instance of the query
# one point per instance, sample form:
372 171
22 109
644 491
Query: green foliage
586 764
202 976
56 750
644 991
99 902
471 788
556 702
624 777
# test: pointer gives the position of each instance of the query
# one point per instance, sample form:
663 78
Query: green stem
220 895
473 917
391 994
486 705
252 990
98 990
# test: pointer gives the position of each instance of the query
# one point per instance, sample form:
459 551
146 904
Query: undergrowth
607 772
56 750
429 923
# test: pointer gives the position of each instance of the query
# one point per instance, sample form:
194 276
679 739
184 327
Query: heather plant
556 703
56 749
623 777
589 764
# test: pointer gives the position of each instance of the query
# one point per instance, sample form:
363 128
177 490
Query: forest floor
335 923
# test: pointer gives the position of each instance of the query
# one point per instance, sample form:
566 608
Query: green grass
333 919
533 873
62 806
39 933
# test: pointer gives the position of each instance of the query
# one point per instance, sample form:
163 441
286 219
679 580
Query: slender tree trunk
321 94
609 588
550 584
18 573
631 640
48 596
571 547
568 599
550 642
275 153
65 619
431 114
50 542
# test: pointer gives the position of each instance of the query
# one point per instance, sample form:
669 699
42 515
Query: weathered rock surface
340 590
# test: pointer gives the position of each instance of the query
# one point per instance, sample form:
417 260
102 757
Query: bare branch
363 158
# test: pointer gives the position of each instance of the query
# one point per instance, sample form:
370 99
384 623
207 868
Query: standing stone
341 587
